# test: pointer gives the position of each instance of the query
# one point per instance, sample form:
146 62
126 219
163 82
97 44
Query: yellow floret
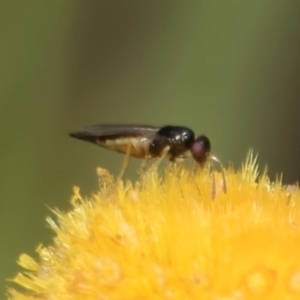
164 237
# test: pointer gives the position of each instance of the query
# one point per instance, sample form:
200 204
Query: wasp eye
200 149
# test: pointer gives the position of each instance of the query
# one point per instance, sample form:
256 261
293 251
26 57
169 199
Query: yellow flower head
164 237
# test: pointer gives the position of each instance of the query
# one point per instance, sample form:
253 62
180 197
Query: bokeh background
229 69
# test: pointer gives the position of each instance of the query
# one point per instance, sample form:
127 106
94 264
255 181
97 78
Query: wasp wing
112 132
120 138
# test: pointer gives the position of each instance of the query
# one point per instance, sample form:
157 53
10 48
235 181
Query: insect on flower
175 142
147 141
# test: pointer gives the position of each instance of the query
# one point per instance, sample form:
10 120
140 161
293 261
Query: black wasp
176 142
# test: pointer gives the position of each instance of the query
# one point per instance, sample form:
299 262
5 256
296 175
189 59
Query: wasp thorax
157 146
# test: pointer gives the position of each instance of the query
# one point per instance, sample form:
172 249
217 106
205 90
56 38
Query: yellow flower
164 237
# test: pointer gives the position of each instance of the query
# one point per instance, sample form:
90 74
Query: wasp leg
125 162
143 167
162 156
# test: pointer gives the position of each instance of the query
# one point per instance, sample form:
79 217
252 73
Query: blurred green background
229 69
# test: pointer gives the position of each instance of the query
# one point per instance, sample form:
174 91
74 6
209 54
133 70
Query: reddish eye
200 149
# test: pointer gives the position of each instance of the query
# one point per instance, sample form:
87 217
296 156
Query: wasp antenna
213 190
215 159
